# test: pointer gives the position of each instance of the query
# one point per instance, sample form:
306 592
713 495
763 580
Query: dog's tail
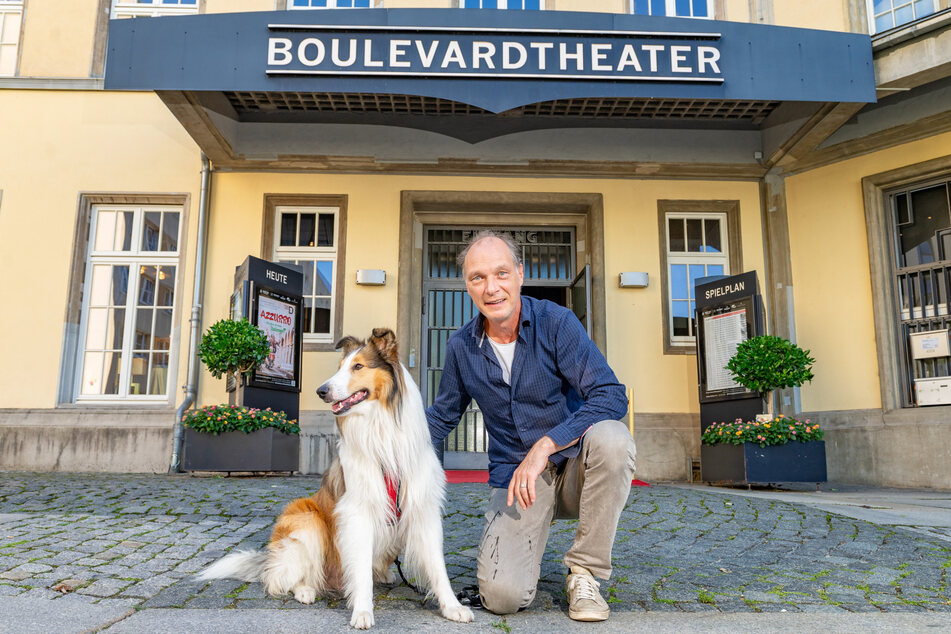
246 565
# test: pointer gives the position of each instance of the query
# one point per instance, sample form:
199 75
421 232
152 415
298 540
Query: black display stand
269 295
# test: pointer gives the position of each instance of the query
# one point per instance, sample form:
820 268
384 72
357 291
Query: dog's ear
348 344
384 340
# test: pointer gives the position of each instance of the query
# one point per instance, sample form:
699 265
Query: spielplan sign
479 52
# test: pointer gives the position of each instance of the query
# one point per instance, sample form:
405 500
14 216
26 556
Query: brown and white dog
382 496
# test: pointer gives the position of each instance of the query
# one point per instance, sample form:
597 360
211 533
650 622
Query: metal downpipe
191 386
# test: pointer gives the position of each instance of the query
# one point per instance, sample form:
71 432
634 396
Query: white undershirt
505 353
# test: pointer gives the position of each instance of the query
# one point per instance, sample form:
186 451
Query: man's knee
609 442
505 596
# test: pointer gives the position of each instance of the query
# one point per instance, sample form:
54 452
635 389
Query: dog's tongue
347 402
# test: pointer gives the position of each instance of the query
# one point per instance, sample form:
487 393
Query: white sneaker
585 602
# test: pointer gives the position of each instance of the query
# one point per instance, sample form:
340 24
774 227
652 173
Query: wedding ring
523 486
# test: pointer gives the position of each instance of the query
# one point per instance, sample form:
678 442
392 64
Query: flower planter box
747 463
261 450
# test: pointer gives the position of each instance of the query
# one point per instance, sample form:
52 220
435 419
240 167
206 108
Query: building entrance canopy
477 75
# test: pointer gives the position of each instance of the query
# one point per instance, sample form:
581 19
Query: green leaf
233 347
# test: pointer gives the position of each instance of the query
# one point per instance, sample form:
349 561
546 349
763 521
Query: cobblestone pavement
134 541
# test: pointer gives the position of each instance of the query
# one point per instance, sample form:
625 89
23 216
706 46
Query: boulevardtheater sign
490 59
475 53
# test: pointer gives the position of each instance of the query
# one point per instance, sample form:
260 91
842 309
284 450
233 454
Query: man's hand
522 484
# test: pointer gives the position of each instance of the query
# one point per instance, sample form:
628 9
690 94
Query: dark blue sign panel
497 60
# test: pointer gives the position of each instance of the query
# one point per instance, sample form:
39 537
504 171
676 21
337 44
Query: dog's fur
348 534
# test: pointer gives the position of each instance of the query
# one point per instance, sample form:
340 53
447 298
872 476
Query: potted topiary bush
771 448
233 347
233 437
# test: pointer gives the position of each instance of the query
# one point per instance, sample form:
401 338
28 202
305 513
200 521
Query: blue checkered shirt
561 386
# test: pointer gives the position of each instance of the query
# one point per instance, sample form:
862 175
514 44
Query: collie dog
383 495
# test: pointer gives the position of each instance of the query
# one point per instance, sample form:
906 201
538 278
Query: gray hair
504 236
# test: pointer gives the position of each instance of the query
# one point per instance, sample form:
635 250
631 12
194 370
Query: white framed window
308 237
152 8
11 14
674 8
887 14
530 5
332 4
697 246
128 309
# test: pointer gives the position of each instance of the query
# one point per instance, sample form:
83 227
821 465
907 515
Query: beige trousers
593 487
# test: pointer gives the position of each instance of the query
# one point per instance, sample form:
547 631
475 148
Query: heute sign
474 53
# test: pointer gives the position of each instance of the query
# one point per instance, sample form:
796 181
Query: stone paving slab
83 538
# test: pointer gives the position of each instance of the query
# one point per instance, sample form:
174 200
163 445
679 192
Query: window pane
143 329
162 338
923 8
715 269
306 237
683 8
904 14
123 231
99 287
166 294
105 230
115 328
676 228
641 8
681 313
307 267
884 22
929 214
882 5
151 226
158 381
658 7
308 314
902 215
113 365
325 230
696 271
96 328
169 231
322 315
324 281
678 281
288 229
140 372
147 285
700 8
92 373
694 234
711 228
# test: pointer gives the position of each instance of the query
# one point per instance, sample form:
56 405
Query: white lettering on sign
277 277
687 57
725 290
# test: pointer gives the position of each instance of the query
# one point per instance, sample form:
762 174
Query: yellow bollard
630 410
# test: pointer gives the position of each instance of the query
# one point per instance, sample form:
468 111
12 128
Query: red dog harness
392 492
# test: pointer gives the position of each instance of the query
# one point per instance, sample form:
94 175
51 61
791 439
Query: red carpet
458 477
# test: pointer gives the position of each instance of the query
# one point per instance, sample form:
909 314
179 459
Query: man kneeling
550 404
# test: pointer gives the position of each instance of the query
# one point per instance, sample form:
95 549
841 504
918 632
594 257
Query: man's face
493 281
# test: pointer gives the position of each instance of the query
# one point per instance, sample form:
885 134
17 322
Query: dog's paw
305 594
458 613
387 576
361 619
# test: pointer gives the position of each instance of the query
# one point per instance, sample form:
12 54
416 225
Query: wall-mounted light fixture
632 279
371 277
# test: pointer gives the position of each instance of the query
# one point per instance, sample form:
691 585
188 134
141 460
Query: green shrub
233 347
767 363
215 419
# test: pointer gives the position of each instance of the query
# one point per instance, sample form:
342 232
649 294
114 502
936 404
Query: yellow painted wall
58 38
634 317
828 15
832 288
68 143
237 6
735 11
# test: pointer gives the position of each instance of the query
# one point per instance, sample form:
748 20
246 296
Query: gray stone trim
732 210
271 203
418 208
51 83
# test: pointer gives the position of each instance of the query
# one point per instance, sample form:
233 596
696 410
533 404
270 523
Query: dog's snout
322 392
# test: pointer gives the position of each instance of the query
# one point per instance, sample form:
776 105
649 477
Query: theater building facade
147 148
